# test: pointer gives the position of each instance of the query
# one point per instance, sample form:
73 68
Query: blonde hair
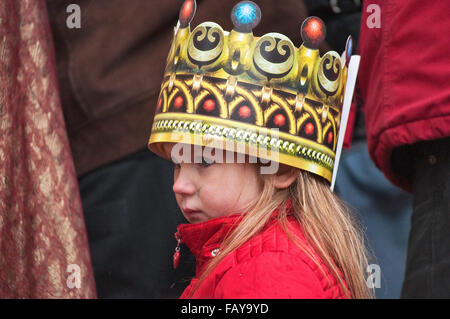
328 225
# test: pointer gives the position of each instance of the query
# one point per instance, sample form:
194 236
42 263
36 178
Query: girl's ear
285 176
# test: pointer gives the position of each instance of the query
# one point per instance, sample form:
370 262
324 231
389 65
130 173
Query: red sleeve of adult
403 77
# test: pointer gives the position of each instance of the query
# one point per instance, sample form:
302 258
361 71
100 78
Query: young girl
256 235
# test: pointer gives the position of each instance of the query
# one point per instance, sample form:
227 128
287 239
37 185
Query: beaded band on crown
261 93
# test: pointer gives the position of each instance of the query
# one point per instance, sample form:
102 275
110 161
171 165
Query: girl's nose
183 182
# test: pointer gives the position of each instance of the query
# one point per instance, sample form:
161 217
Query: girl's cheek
214 199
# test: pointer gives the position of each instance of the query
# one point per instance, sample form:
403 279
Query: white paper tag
348 96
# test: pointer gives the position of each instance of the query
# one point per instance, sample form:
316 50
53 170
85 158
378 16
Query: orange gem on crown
313 32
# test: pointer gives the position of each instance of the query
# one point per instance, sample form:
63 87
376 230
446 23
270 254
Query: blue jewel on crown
245 16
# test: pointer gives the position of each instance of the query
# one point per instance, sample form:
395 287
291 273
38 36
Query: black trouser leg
428 262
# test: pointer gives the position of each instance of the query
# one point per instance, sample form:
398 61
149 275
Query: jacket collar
203 239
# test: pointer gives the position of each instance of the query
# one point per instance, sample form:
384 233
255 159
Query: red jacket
268 266
404 76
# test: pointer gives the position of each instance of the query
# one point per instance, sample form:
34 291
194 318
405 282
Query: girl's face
204 191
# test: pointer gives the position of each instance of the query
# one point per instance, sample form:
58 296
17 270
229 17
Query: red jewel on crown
330 137
187 12
159 103
178 102
309 129
209 105
279 120
244 111
313 32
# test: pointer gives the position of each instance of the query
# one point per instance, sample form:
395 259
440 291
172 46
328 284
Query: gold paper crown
233 86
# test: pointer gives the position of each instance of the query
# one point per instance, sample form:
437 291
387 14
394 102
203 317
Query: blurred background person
405 93
383 209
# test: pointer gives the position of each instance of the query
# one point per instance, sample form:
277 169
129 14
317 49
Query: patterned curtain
44 251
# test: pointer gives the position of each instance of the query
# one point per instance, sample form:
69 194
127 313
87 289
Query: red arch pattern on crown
212 97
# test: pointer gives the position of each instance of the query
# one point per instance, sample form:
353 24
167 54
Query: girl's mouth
189 211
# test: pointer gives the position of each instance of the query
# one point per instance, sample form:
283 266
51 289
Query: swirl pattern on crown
271 60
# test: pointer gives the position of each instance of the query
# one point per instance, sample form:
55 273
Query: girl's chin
196 217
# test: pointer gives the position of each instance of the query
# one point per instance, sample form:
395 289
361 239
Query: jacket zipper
176 254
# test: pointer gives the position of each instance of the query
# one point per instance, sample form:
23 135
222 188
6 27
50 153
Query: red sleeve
271 275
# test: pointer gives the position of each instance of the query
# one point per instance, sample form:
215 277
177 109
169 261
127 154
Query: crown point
313 32
245 16
187 12
348 49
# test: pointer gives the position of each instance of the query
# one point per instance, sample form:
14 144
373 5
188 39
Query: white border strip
348 96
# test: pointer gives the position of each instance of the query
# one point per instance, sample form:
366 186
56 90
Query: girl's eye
206 162
176 165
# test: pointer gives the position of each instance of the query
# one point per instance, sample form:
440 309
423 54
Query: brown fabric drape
42 228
